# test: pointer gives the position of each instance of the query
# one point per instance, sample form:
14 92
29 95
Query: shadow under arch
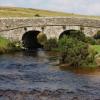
70 32
30 41
97 35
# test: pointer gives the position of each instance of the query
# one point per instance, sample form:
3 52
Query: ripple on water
27 76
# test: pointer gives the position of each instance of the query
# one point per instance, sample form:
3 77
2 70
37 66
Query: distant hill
29 12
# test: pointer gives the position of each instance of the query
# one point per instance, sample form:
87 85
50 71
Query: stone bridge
16 28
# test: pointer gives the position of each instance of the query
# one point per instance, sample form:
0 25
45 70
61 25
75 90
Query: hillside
29 12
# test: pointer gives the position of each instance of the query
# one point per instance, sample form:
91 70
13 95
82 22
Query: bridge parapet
9 23
15 27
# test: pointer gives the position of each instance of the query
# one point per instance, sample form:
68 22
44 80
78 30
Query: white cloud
76 6
94 9
8 5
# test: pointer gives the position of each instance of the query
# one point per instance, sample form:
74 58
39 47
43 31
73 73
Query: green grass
7 46
29 12
4 45
96 48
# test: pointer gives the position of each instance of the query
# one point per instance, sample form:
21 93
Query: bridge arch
30 40
73 33
97 35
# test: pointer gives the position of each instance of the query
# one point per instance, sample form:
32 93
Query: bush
97 42
37 15
90 40
51 44
97 36
3 44
74 52
15 45
42 38
6 45
74 34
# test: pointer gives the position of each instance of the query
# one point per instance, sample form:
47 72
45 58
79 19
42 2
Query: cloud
8 5
91 7
94 9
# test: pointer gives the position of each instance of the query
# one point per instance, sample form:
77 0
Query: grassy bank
7 46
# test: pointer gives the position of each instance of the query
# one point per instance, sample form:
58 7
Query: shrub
74 34
90 40
97 42
15 45
97 36
42 38
74 52
3 44
37 15
6 45
51 44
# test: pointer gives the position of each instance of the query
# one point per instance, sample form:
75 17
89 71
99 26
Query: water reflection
78 70
33 53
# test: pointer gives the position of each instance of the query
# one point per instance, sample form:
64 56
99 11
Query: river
36 76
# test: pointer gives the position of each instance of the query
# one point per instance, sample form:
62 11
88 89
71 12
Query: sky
86 7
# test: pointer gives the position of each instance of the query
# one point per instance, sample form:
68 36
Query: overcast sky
91 7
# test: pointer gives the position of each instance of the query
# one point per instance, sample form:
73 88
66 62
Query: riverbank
7 46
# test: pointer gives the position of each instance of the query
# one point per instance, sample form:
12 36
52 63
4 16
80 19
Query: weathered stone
14 28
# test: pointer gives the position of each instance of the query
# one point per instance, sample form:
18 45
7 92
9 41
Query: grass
3 44
96 48
29 12
7 46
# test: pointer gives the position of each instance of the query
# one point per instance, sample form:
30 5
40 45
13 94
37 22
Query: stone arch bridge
15 28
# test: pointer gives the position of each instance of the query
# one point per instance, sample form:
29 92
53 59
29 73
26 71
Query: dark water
35 76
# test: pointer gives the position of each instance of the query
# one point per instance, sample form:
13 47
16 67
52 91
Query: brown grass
28 12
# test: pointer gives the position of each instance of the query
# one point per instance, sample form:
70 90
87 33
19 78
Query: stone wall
14 28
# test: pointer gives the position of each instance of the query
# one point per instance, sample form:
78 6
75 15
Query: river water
36 76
